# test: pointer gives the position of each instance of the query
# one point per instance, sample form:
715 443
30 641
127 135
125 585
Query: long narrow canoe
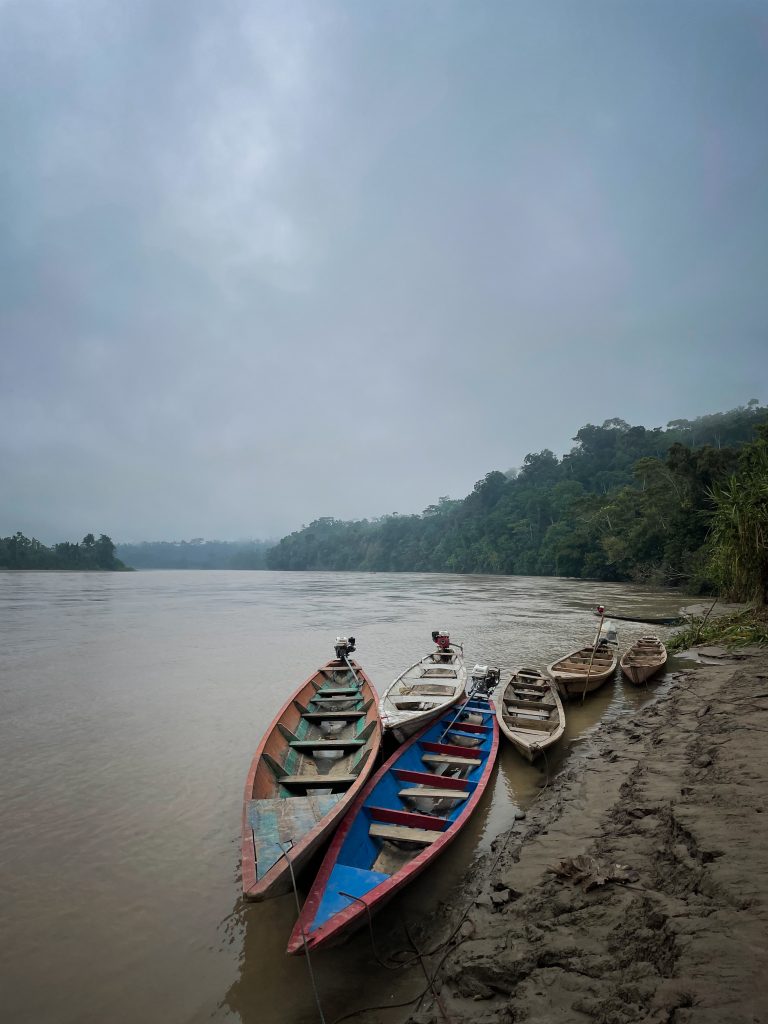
415 805
649 620
645 658
585 669
530 712
423 691
312 762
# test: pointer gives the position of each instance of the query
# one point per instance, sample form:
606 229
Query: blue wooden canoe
405 816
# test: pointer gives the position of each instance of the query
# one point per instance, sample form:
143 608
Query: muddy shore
677 795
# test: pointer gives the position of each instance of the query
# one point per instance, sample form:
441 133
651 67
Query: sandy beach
677 797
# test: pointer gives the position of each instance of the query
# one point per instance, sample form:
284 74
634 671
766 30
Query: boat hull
574 675
297 789
354 879
530 713
643 660
422 694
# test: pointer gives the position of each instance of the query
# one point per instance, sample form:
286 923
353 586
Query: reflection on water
131 705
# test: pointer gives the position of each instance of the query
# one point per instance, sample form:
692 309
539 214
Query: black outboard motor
344 647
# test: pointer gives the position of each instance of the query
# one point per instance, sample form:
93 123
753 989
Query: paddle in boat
645 658
425 690
530 712
313 760
415 805
585 669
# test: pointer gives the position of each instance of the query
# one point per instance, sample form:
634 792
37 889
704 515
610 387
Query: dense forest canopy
625 503
196 554
20 552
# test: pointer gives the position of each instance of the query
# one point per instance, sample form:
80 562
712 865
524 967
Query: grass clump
738 629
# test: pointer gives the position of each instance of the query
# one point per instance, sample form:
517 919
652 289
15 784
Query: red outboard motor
442 640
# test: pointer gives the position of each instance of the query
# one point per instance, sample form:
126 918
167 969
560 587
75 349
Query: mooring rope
303 935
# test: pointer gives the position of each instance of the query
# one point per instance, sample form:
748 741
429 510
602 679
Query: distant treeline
625 503
20 552
196 554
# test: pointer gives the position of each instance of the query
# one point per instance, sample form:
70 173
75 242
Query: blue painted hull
391 832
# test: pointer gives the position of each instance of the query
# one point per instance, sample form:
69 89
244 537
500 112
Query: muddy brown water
130 708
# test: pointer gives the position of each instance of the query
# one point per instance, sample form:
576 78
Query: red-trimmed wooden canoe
312 762
415 805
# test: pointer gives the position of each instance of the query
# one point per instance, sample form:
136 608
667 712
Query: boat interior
580 661
412 805
314 754
648 650
528 704
420 689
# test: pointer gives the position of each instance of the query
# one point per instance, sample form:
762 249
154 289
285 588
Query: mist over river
131 704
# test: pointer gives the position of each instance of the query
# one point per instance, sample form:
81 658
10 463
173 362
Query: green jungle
685 506
20 552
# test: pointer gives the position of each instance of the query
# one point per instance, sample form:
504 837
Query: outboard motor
442 640
484 679
344 647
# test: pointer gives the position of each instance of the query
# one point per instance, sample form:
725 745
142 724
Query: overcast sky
264 262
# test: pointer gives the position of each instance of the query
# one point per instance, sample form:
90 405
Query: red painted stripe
430 779
448 748
394 817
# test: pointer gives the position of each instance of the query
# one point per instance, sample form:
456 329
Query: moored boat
415 805
530 712
645 658
587 668
425 690
310 765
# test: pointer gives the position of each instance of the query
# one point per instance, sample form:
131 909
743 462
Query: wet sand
677 793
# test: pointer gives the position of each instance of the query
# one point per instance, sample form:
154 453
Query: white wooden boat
645 658
530 712
587 668
425 690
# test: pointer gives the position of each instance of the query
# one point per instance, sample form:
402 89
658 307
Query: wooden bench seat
433 792
330 716
451 759
321 744
317 781
423 836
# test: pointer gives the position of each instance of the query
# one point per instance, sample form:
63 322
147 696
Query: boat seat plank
530 724
433 792
321 744
338 691
451 759
414 819
317 781
323 716
423 699
442 748
381 830
430 779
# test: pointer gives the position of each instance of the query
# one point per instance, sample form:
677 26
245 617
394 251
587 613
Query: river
131 704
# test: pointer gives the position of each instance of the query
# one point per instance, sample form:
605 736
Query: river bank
677 794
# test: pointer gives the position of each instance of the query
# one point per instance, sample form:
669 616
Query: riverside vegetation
682 506
20 552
